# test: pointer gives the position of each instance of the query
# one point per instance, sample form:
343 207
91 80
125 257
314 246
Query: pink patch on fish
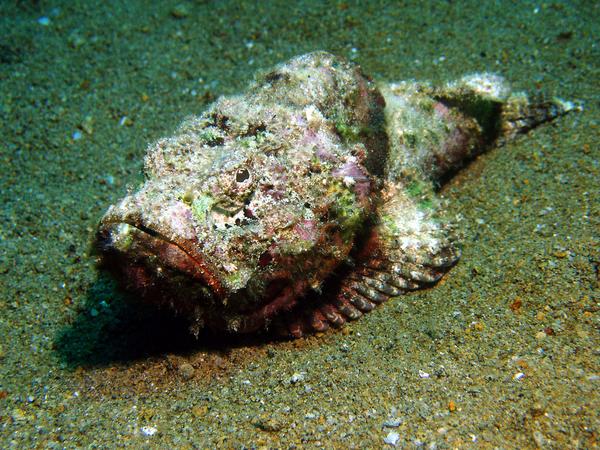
352 170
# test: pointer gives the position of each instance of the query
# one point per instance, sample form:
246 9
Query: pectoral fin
407 249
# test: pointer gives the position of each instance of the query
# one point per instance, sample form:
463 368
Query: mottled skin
307 200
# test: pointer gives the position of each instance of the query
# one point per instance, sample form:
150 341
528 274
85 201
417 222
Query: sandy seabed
503 353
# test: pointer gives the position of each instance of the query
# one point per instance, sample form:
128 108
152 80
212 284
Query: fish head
238 218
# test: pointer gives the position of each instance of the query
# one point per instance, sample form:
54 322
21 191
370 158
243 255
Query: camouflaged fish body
309 199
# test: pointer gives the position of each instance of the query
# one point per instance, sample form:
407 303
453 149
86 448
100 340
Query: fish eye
242 175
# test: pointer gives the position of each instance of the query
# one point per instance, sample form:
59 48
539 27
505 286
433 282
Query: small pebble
540 335
392 438
296 377
18 415
186 370
392 423
75 40
199 411
87 125
268 424
125 121
180 11
539 439
148 431
423 374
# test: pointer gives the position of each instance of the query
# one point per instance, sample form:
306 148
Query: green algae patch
346 209
201 206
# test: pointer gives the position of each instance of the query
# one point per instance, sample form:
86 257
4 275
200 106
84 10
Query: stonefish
308 200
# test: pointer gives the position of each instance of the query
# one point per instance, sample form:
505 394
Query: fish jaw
156 248
156 257
168 274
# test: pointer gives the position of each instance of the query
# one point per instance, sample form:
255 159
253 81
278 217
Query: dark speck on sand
504 353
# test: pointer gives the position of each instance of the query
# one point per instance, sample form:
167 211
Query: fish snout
155 249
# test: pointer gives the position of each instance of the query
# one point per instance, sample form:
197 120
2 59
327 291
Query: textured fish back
434 130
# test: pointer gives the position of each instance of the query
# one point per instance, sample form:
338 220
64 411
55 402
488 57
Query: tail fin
521 114
488 98
434 130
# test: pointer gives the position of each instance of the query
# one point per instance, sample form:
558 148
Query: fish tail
521 113
435 130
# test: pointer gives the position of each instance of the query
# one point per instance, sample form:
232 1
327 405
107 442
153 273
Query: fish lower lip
136 242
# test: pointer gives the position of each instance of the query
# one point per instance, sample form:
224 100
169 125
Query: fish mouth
173 274
148 257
